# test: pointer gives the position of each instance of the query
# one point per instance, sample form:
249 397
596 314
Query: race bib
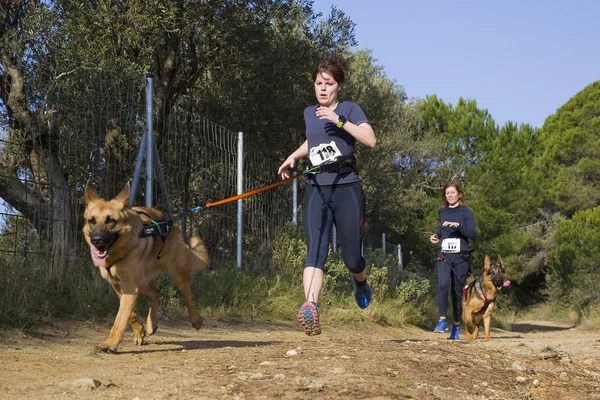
451 245
324 154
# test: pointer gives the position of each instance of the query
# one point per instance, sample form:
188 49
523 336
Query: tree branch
26 199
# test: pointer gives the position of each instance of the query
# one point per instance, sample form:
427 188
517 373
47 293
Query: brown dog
130 258
479 298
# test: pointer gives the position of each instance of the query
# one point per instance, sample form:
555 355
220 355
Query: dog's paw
151 330
138 338
104 348
197 322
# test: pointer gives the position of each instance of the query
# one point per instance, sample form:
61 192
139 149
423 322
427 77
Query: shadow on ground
197 345
528 328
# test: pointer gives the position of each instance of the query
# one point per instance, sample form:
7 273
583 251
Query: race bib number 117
451 245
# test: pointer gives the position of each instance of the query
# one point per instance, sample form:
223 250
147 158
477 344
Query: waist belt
343 166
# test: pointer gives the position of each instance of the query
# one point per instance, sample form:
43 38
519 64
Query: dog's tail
199 249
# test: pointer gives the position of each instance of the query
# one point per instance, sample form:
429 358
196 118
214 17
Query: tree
573 263
463 130
29 117
571 153
218 58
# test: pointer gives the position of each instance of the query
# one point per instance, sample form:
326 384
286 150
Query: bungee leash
310 170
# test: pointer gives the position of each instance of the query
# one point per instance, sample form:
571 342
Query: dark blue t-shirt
466 228
320 132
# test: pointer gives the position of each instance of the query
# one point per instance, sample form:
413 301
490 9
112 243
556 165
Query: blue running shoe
441 326
455 332
308 316
362 294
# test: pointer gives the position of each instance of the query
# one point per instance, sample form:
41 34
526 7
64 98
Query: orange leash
255 191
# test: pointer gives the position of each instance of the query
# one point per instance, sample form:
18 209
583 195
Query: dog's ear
123 196
90 193
487 262
499 260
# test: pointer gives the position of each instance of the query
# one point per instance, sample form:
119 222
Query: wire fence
101 125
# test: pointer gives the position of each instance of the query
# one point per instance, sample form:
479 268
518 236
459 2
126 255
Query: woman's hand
451 224
434 239
283 170
328 114
290 162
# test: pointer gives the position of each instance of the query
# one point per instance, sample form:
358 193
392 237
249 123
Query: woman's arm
468 228
363 133
290 162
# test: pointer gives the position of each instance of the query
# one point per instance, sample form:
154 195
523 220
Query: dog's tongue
98 261
506 284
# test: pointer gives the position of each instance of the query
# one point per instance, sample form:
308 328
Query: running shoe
441 326
308 316
362 294
455 332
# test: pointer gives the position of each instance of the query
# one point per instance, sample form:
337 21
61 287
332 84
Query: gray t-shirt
321 132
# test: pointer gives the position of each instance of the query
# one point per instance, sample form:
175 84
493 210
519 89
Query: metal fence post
400 265
149 139
240 190
383 241
295 199
334 240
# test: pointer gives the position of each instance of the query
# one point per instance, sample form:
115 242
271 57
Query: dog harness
155 228
478 289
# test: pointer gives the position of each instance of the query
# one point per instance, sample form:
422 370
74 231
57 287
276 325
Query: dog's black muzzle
103 240
498 281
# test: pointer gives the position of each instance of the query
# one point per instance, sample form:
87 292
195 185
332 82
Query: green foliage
573 264
337 276
219 59
233 294
393 173
571 152
413 288
29 291
288 251
463 129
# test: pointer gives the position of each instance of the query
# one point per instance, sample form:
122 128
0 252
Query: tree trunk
60 214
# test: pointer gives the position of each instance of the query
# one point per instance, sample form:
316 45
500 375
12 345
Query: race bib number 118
324 153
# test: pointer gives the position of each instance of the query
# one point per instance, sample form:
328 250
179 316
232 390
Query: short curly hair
335 65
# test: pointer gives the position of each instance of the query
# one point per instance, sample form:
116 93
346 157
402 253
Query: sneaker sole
446 330
308 316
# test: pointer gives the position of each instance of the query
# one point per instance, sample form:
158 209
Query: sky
520 60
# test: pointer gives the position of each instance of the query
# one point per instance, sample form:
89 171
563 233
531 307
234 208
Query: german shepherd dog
479 298
131 261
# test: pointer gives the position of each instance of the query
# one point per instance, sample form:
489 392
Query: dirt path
267 361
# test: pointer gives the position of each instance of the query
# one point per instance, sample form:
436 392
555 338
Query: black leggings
452 271
344 206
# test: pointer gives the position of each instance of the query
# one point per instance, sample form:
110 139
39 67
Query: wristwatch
341 121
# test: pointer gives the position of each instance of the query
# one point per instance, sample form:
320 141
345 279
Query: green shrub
412 287
29 291
288 251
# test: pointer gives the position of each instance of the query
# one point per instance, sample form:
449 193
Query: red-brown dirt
253 360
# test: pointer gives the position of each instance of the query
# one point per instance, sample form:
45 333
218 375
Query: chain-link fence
100 133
